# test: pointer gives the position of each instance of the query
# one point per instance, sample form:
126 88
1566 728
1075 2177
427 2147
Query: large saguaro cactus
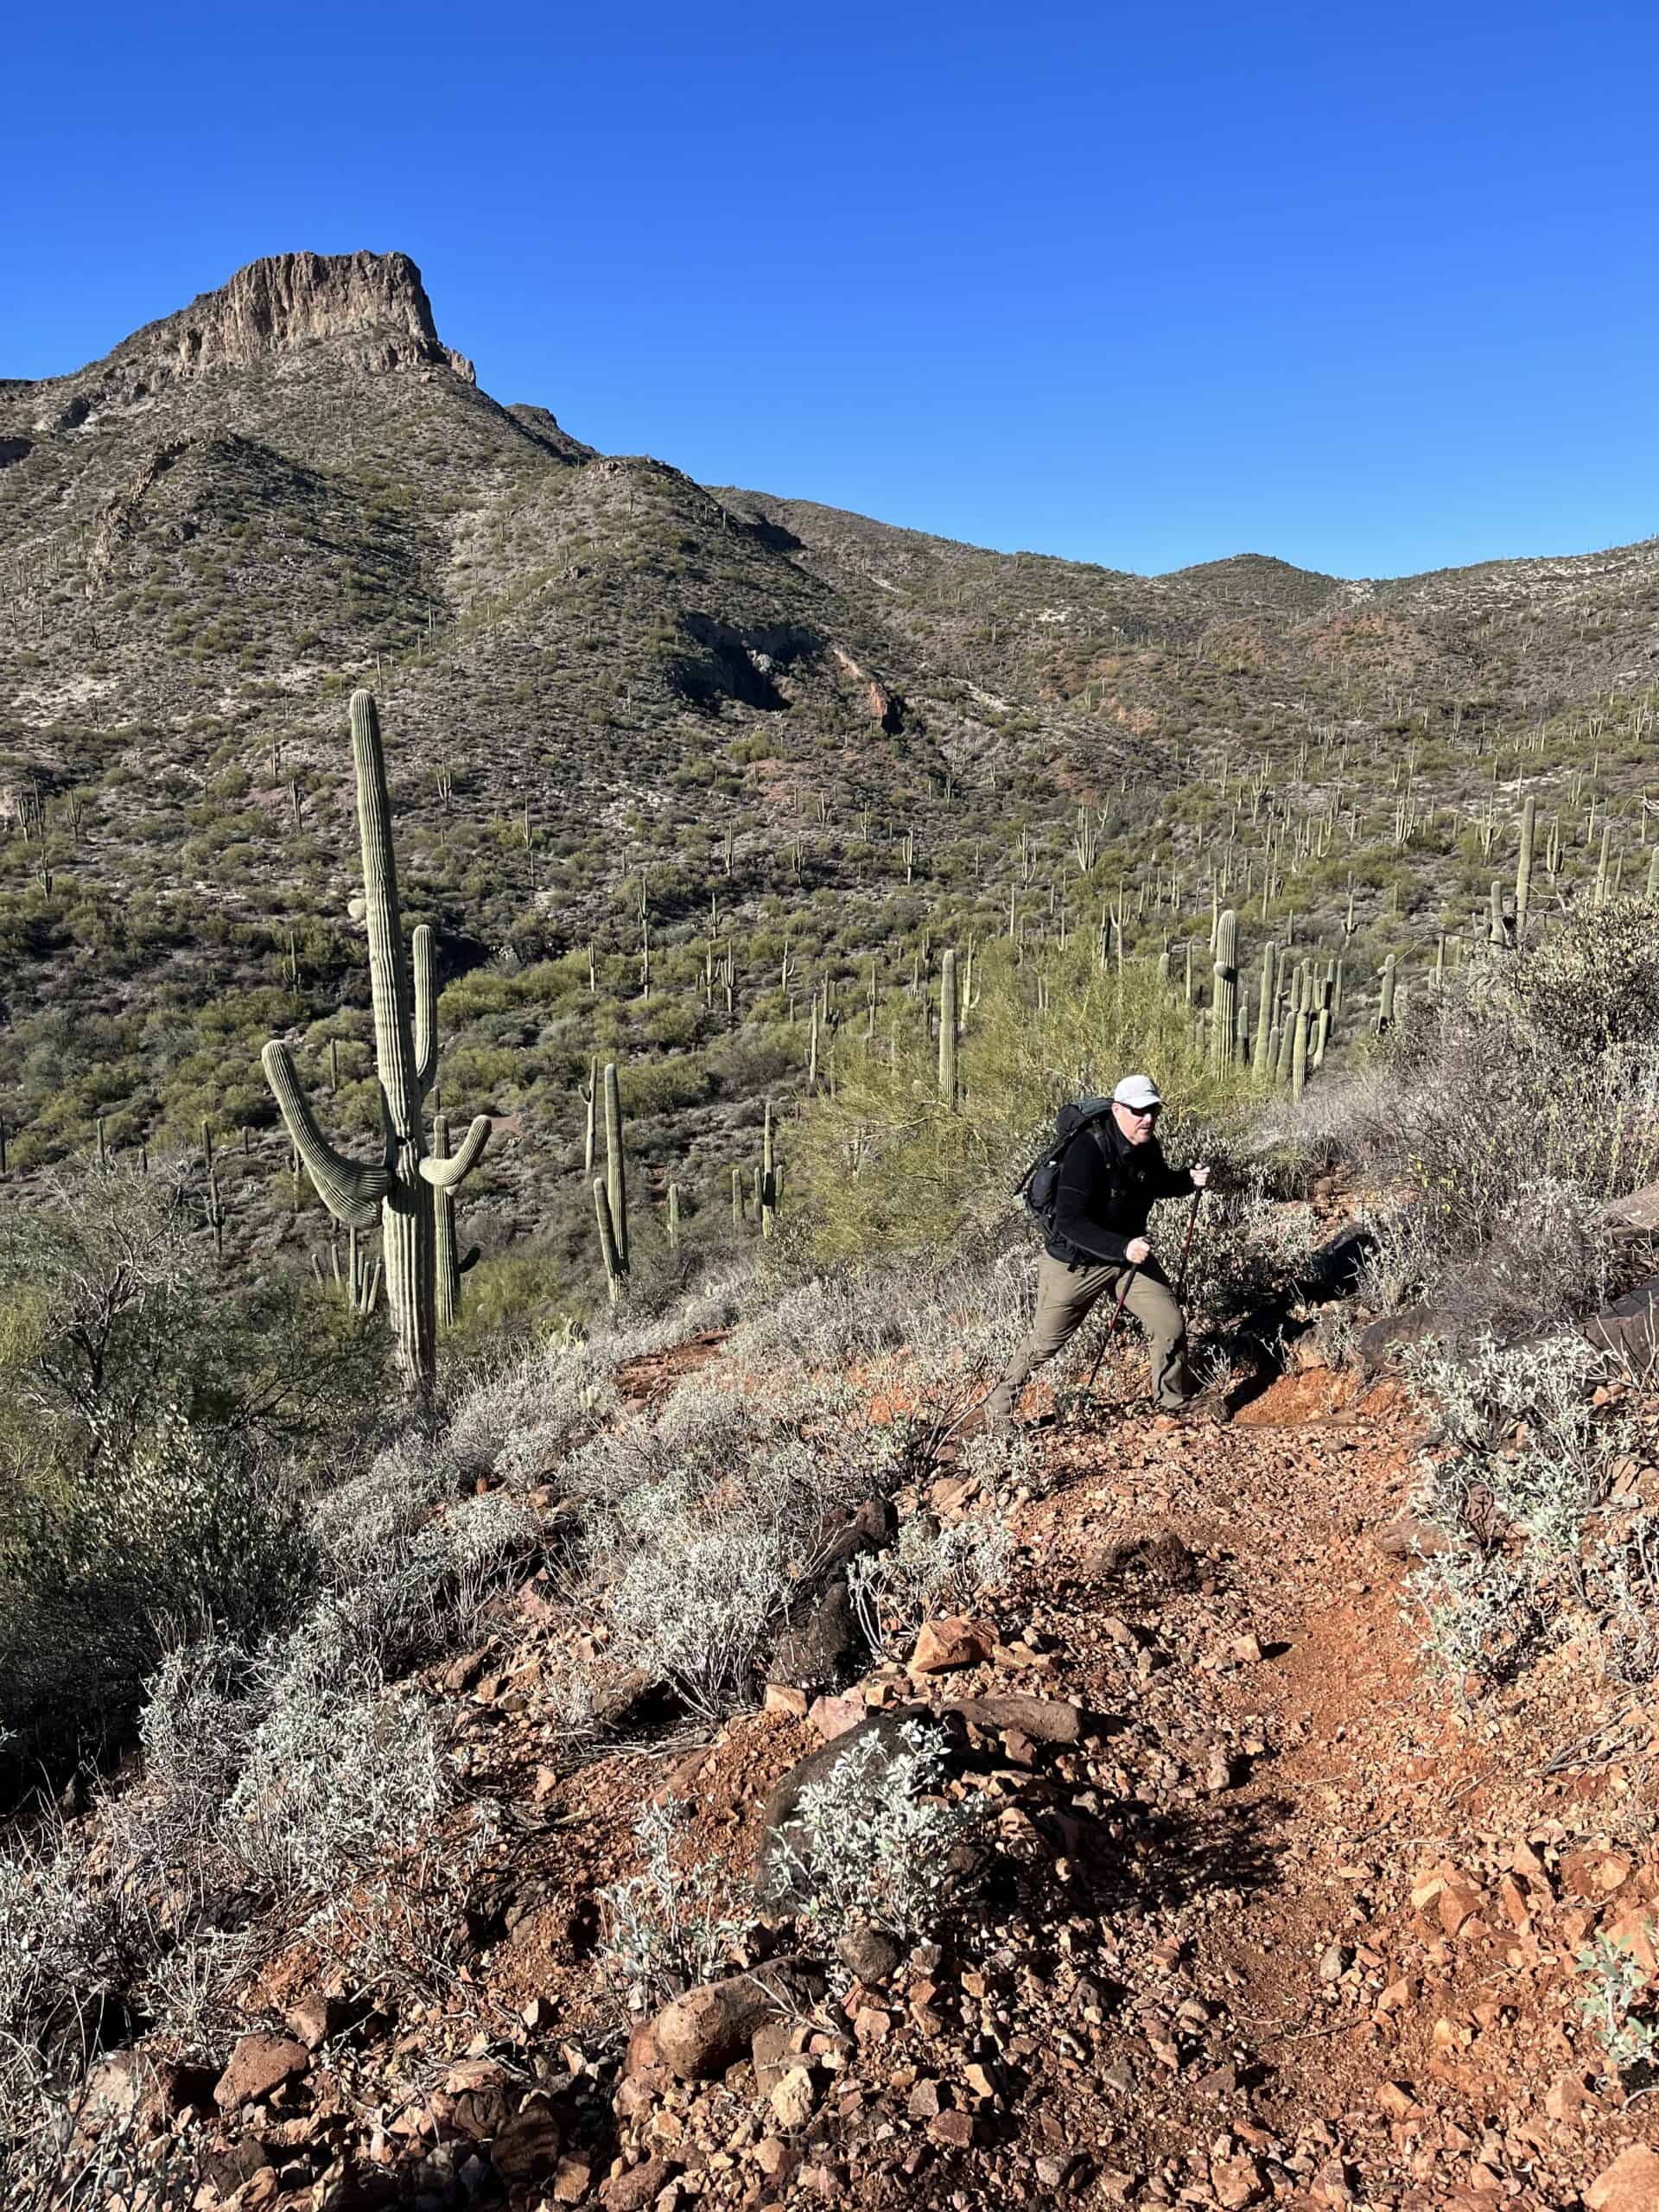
402 1184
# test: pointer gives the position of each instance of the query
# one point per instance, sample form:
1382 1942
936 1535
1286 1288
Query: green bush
158 1438
886 1165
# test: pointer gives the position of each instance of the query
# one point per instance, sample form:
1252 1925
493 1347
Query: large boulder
1380 1343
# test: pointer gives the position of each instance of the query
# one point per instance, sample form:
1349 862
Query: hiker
1110 1175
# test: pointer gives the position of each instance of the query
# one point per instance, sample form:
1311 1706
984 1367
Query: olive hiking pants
1065 1298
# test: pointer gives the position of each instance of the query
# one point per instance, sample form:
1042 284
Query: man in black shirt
1112 1174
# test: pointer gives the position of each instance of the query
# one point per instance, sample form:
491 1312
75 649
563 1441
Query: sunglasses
1144 1113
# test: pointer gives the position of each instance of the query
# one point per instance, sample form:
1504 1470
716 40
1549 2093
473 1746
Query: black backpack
1040 1184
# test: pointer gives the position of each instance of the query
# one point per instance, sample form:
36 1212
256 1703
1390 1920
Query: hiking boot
988 1420
1205 1410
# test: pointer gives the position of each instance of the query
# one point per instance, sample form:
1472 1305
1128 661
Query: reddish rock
700 2034
259 2066
951 1642
955 2130
834 1716
1630 2184
632 2190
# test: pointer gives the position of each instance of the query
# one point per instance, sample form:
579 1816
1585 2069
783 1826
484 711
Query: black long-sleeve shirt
1108 1187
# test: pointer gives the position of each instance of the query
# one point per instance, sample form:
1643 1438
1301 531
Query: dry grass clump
1504 1114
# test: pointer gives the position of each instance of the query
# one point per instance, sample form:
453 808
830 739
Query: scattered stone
1044 1719
259 2066
794 2100
781 1699
315 2018
640 2186
572 2180
946 1645
955 2130
835 1716
1629 1328
926 2100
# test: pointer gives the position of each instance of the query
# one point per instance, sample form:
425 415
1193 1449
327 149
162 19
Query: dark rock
1043 1720
526 2149
870 1953
819 1650
866 1530
1378 1342
1630 1329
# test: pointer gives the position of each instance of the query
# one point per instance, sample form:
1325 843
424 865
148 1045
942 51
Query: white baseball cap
1137 1092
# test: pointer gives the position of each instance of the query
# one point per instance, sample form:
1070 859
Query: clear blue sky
1372 288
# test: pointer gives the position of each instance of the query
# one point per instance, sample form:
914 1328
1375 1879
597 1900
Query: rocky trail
1268 1916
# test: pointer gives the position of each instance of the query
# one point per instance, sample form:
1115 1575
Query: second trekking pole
1191 1223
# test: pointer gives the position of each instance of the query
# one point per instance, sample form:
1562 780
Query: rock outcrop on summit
271 307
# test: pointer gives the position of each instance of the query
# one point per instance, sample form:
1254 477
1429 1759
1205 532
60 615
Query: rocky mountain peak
288 298
373 306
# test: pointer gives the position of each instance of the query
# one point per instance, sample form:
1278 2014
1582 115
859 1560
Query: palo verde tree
403 1184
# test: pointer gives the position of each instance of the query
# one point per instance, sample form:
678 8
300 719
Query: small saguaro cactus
616 1169
1264 1013
608 1240
768 1177
1223 1029
1299 1055
401 1186
1523 868
1385 1004
948 1029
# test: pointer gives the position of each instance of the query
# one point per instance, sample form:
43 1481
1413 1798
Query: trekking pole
1111 1330
1191 1223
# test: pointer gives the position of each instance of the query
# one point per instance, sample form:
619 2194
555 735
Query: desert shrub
1590 987
670 1927
1504 1111
881 1849
157 1440
1480 1613
1526 1450
70 1946
328 1779
1521 1463
185 1526
694 1612
927 1572
518 1421
1617 2005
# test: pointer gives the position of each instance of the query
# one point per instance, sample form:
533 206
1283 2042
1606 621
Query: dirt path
1370 1903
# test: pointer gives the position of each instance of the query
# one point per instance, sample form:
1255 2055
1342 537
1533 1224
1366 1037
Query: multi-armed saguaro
401 1186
